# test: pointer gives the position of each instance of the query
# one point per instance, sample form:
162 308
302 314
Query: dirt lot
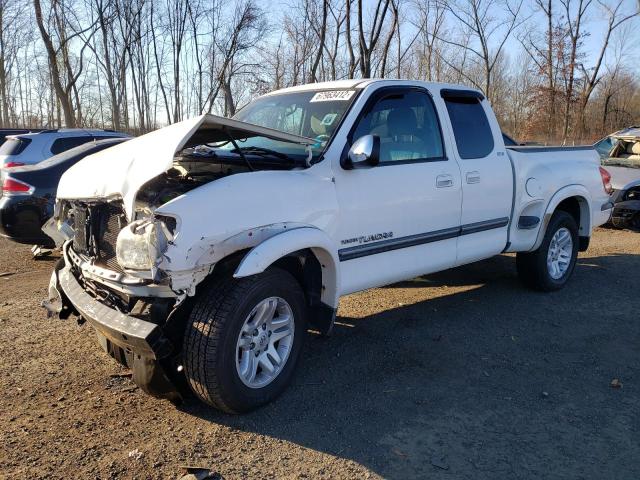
463 374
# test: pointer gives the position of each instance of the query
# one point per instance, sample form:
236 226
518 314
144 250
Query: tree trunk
323 33
62 94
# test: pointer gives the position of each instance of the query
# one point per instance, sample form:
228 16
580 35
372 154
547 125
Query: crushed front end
132 312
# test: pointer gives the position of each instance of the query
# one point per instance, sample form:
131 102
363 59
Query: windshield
604 146
314 114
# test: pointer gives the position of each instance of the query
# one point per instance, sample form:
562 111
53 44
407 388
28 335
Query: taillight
606 180
13 164
13 186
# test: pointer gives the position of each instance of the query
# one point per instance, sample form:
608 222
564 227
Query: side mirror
365 152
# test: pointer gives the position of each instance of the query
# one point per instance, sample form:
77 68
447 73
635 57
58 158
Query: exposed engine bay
196 166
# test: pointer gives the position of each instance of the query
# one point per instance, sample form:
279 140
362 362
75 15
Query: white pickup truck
203 250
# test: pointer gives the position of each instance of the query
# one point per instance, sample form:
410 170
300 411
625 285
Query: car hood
120 171
623 177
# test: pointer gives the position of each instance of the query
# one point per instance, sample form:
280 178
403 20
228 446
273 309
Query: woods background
554 70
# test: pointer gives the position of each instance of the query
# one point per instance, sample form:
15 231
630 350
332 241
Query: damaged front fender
267 244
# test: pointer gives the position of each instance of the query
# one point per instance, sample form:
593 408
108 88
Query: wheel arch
308 254
575 200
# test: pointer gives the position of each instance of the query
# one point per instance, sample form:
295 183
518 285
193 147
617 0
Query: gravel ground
463 374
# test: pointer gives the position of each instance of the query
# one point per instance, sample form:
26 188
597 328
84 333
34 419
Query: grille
112 220
96 232
81 217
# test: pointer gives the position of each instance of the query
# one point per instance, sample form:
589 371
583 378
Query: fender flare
584 199
259 258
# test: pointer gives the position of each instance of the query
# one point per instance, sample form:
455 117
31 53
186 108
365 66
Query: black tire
532 266
210 341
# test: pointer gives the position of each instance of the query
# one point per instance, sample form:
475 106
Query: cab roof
362 83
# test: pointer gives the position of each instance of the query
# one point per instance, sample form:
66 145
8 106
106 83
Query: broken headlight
140 244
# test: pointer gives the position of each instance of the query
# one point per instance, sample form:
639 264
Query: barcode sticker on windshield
333 95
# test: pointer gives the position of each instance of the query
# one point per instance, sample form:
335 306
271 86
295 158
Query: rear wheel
243 340
551 265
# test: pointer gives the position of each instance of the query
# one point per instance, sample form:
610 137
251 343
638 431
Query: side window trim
380 94
460 93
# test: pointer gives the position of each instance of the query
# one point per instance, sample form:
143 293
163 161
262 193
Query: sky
595 25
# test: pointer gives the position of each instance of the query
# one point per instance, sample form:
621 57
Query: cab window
67 143
471 128
407 125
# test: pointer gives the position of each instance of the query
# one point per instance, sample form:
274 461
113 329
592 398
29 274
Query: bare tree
339 18
486 33
574 24
430 24
322 35
352 57
616 17
56 26
368 42
545 52
246 28
11 30
390 35
137 64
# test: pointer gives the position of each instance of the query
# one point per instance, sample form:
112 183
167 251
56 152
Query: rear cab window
471 128
14 146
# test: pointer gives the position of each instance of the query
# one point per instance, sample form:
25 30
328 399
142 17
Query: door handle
473 177
443 181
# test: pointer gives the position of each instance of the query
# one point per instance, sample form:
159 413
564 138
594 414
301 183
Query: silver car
32 148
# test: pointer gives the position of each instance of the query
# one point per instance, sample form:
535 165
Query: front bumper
139 336
140 344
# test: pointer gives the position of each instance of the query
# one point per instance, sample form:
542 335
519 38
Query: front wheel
551 265
243 339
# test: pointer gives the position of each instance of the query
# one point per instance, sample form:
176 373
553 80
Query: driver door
401 218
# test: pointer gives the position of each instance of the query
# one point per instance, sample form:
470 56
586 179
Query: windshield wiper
235 144
263 152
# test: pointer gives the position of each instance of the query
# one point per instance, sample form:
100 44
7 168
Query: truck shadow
452 382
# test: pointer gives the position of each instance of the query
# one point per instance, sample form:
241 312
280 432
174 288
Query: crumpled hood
121 170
